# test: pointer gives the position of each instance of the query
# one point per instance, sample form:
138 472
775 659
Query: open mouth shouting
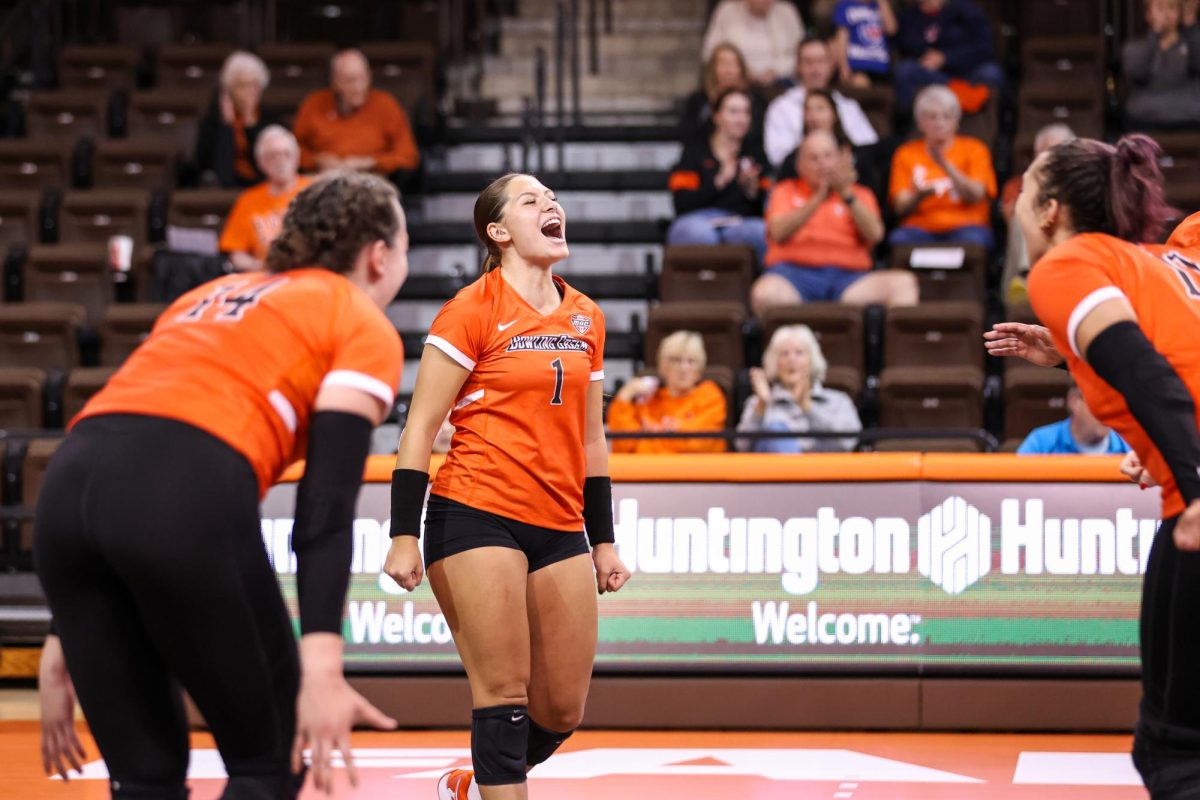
552 229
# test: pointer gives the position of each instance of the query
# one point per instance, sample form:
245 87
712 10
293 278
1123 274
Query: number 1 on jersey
557 366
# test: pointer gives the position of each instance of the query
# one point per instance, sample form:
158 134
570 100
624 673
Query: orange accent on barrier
814 468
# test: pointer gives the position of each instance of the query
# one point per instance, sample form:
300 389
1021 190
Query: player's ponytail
489 208
1113 190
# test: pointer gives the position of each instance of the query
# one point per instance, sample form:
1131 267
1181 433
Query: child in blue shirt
863 28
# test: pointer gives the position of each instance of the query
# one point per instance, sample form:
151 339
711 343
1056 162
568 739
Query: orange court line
822 467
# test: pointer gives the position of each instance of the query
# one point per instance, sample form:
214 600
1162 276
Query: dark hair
728 93
330 222
489 208
1114 190
811 39
839 132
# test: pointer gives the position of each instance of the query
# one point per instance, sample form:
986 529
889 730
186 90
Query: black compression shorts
452 527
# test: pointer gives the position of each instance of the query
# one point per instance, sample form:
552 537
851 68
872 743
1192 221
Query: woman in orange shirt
942 183
517 358
147 537
676 400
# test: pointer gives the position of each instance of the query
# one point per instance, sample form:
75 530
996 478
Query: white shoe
458 784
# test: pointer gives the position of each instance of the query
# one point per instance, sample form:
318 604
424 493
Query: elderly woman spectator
1163 68
676 400
257 217
765 31
788 397
230 129
942 183
724 70
821 227
719 182
942 40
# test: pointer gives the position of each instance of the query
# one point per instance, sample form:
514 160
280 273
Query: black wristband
1158 399
597 510
408 501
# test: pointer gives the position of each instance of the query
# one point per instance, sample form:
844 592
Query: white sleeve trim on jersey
458 355
284 409
363 382
1086 306
468 399
598 375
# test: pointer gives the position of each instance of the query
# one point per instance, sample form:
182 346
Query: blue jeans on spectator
791 446
910 77
969 234
696 227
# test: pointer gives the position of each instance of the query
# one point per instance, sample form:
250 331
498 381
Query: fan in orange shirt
257 216
518 359
942 184
1125 317
147 537
683 402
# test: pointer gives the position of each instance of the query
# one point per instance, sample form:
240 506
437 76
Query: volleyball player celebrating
148 541
517 360
1125 317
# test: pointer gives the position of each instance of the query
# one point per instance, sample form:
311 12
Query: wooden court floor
689 766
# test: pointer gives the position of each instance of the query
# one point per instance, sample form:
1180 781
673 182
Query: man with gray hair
257 216
352 126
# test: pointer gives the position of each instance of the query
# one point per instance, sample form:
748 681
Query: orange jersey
829 238
519 420
701 409
1162 284
243 358
1187 235
257 218
913 168
379 129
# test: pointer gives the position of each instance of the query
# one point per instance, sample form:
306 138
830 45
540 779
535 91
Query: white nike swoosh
518 717
506 326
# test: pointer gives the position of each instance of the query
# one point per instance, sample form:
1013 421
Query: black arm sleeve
598 510
322 538
1157 397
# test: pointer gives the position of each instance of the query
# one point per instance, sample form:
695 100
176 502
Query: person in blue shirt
943 39
1079 434
861 44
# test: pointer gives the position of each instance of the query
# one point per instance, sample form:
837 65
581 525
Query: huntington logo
954 545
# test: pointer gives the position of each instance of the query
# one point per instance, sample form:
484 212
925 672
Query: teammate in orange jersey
517 358
1125 318
147 533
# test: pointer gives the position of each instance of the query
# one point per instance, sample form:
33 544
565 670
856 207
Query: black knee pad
128 790
542 743
499 738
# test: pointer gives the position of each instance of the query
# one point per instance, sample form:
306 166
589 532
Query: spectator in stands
821 227
1079 434
820 114
789 397
719 182
1016 257
766 32
676 400
352 126
257 217
942 183
1163 69
785 116
229 131
725 69
940 41
861 43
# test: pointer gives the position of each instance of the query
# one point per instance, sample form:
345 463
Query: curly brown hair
330 222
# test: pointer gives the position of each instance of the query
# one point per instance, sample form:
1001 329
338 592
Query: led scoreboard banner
817 563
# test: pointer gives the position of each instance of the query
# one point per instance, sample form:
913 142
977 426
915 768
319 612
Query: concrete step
614 69
635 108
683 46
545 27
578 156
579 206
621 9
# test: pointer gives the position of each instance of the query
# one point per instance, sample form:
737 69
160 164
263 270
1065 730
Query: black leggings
148 545
1167 744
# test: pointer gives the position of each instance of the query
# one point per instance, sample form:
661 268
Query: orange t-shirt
1163 286
829 238
379 129
243 358
1187 234
913 168
519 421
701 409
257 218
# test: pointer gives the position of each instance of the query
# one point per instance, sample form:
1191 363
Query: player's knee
499 744
562 717
543 741
508 692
